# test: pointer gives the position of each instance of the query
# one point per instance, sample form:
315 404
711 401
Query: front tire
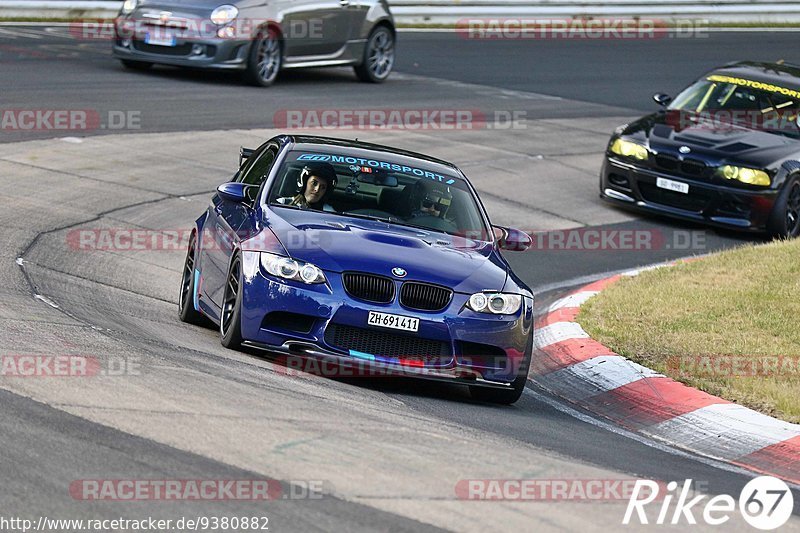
230 319
510 395
186 310
784 221
265 59
378 56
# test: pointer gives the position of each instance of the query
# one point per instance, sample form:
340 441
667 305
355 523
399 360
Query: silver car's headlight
224 14
496 303
287 268
128 6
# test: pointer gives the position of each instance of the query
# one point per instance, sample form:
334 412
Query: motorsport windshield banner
377 164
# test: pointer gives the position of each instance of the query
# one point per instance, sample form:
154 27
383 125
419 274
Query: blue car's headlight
497 303
287 268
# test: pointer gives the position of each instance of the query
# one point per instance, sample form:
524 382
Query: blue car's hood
336 243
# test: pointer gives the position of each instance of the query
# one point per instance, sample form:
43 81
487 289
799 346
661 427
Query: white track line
560 331
666 448
727 431
573 300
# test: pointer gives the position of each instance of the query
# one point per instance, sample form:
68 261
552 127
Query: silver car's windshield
382 189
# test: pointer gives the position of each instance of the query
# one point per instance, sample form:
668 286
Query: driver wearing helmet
430 198
314 185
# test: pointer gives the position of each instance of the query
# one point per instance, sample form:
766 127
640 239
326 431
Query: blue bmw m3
351 252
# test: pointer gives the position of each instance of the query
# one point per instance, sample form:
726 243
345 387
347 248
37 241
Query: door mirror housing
234 192
512 239
662 99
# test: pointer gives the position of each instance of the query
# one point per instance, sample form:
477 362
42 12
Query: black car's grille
384 343
368 287
424 296
180 50
667 162
695 200
693 168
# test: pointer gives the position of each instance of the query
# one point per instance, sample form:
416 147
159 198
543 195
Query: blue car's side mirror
512 239
234 192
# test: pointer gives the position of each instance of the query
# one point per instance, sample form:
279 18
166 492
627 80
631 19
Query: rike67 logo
766 503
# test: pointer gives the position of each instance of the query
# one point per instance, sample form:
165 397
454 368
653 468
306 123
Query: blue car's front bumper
324 321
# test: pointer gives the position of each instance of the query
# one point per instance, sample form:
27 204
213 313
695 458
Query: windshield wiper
387 220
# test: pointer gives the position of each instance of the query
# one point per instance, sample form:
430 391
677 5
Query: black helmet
428 192
321 170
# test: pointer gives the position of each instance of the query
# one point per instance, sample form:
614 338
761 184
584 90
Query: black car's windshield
385 189
744 102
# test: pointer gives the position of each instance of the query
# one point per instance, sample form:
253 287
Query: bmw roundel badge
399 272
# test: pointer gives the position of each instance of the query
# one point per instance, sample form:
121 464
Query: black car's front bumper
627 184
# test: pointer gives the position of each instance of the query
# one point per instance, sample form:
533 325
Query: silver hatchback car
259 37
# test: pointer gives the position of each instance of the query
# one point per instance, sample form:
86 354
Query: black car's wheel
186 309
135 65
378 56
265 60
784 221
230 320
510 395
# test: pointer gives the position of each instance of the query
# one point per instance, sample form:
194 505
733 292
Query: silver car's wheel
265 59
378 56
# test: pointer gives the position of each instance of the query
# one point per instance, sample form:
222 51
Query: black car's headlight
128 6
497 303
629 149
287 268
750 176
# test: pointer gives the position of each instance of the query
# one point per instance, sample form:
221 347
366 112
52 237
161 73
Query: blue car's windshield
385 189
744 102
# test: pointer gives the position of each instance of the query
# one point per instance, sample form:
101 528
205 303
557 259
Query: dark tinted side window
258 172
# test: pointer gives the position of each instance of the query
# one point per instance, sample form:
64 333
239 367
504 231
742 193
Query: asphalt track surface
388 453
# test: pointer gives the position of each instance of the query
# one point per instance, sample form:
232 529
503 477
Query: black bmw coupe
725 151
